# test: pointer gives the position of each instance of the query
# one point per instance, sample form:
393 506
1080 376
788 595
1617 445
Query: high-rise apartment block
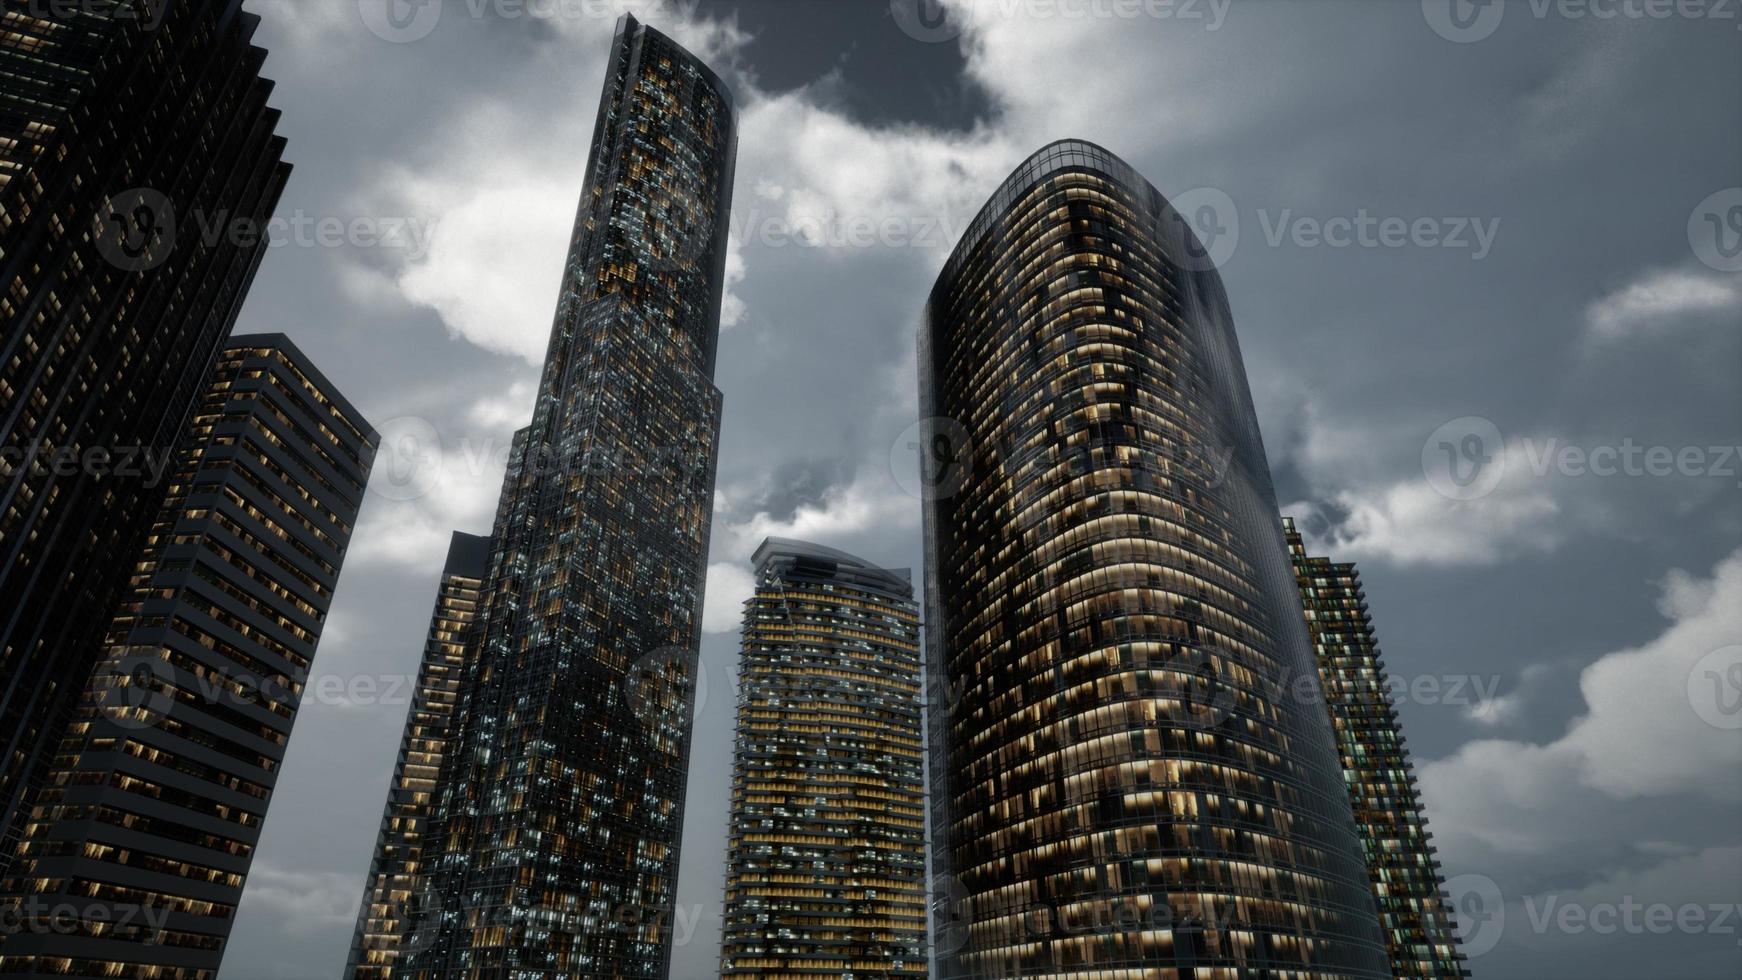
1126 781
122 126
1401 863
136 851
826 861
394 890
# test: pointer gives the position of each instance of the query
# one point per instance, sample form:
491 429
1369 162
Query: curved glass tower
1133 774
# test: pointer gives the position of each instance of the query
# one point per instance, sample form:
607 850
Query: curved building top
784 555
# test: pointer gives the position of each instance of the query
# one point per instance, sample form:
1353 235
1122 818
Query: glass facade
1405 874
826 860
395 884
560 805
1133 774
135 853
118 122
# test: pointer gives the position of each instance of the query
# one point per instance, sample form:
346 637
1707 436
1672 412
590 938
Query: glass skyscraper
1132 774
826 861
560 806
395 887
1401 862
136 851
121 125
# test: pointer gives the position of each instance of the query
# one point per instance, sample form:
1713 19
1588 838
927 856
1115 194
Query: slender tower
1133 772
826 865
560 808
1402 865
135 854
121 125
395 884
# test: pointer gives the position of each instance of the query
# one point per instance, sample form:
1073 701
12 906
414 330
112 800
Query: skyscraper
395 884
1131 770
142 836
560 809
121 126
826 863
1401 863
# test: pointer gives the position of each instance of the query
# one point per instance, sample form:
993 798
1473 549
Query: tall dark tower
560 809
120 123
395 884
1133 772
1402 864
826 866
136 852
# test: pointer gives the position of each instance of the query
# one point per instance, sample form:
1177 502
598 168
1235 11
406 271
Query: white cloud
426 484
1639 737
301 901
821 169
498 185
732 308
729 584
1504 709
512 409
1411 523
1659 300
1031 59
496 256
869 504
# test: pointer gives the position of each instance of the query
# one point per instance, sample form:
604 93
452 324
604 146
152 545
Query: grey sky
1550 174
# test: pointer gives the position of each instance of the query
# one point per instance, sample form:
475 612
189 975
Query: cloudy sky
1449 235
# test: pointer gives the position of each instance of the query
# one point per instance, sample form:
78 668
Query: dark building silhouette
395 887
1401 863
825 869
1128 778
121 125
560 807
144 831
